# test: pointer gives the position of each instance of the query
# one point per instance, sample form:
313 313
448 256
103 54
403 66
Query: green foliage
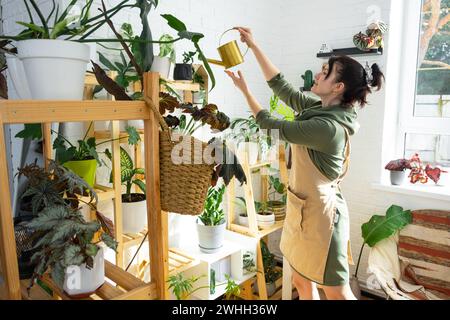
278 187
126 73
249 262
87 148
61 23
213 215
195 37
269 263
180 286
64 237
167 49
188 57
232 289
382 227
277 107
128 172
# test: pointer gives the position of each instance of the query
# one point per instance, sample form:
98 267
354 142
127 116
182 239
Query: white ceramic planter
134 215
265 221
81 281
252 150
397 177
243 220
49 69
161 65
210 238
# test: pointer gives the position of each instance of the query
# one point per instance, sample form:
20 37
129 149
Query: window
425 102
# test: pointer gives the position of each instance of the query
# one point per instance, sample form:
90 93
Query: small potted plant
242 211
184 71
278 207
134 205
248 137
264 216
397 170
83 159
166 57
70 248
248 262
211 223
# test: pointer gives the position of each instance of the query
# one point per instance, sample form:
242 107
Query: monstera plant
382 227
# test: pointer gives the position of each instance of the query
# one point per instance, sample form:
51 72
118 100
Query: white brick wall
291 33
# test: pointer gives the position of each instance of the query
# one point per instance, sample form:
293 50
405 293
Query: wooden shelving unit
46 112
253 230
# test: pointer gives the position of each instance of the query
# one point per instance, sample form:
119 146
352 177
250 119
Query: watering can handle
220 40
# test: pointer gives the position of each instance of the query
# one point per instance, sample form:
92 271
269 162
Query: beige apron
311 210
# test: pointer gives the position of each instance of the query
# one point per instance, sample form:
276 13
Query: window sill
426 191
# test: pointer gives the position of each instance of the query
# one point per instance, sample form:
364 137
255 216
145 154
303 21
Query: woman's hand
239 81
246 36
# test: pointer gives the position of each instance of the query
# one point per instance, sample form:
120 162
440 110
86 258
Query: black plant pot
182 71
24 244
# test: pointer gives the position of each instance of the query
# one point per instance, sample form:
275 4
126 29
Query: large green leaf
30 131
73 256
174 22
382 227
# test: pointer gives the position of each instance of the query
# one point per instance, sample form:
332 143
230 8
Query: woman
315 238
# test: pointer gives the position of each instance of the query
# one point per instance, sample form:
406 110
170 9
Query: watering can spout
18 77
216 62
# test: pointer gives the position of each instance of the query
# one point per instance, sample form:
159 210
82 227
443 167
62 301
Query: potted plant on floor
270 271
397 170
134 205
184 71
166 57
211 223
377 229
67 246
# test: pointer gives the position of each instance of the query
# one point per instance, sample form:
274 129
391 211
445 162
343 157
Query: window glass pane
433 73
432 148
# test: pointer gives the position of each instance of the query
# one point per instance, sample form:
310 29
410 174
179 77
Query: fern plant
128 174
64 238
213 215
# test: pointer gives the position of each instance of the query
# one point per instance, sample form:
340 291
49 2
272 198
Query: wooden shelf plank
36 292
261 233
106 134
260 165
103 193
122 278
41 111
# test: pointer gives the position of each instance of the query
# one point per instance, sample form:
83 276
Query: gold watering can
229 53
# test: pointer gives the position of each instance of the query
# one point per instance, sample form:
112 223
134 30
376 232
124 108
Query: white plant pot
243 220
134 216
398 177
49 69
210 238
265 221
252 149
80 281
161 65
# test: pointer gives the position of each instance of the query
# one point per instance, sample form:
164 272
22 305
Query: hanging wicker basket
183 186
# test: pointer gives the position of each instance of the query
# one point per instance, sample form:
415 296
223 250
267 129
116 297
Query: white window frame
407 122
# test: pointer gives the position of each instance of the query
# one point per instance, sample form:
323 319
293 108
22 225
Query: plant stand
46 112
252 230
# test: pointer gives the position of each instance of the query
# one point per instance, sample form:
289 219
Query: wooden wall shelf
351 52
